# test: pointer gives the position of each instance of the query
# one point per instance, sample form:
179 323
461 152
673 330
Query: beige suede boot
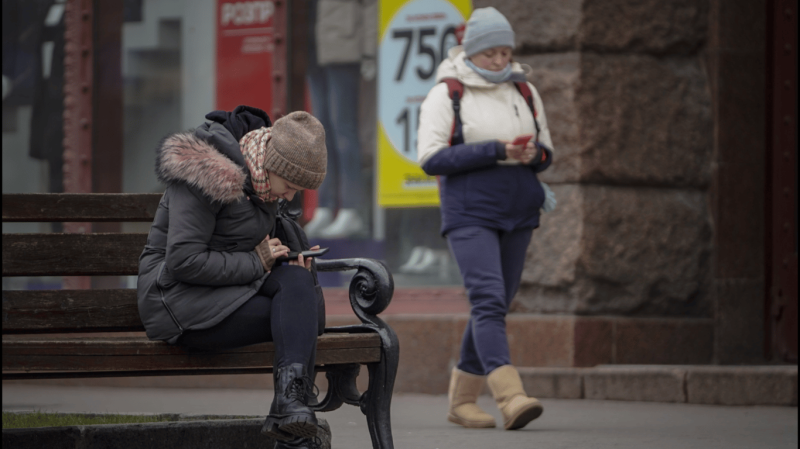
464 391
517 408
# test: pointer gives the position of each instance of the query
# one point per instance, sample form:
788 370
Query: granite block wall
627 98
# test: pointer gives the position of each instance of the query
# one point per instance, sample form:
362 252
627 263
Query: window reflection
170 79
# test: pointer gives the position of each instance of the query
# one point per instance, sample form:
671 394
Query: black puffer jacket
200 264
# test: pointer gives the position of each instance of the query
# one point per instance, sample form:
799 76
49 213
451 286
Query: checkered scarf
254 149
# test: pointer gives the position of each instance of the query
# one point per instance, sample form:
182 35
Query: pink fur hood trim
186 157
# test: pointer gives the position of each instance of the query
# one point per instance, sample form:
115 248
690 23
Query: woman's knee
490 295
488 313
488 304
292 279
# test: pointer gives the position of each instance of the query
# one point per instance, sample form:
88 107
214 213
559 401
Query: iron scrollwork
371 290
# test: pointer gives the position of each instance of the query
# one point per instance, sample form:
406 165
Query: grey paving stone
560 383
742 385
651 384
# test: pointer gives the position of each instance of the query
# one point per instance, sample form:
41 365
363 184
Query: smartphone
306 254
522 140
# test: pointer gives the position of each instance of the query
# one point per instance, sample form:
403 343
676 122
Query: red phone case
522 140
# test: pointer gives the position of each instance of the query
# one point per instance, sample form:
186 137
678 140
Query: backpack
456 92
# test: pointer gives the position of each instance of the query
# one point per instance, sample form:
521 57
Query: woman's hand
529 153
269 250
524 154
513 151
302 261
537 153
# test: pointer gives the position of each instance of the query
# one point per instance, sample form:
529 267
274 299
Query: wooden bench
47 334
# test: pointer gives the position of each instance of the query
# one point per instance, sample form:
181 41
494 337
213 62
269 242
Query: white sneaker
426 263
323 216
413 260
347 223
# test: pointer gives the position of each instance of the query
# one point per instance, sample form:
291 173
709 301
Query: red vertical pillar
279 62
782 175
78 71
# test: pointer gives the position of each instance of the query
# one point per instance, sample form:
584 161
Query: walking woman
490 201
208 277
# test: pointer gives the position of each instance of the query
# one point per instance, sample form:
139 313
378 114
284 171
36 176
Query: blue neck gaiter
493 77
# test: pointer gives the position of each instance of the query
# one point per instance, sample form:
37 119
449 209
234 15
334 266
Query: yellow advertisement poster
414 37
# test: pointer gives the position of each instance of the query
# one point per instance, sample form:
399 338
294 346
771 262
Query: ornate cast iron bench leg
370 293
341 387
376 403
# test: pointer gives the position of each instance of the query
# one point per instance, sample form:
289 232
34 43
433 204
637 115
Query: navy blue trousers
284 312
491 263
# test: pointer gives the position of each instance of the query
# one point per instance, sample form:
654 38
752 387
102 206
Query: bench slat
140 345
73 362
96 207
69 311
96 374
119 354
100 254
54 311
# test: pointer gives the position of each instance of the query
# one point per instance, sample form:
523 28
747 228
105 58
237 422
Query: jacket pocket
490 190
163 282
165 279
531 194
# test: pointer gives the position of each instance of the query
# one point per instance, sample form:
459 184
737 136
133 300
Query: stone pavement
418 420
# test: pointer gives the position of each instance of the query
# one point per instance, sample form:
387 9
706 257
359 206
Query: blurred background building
674 122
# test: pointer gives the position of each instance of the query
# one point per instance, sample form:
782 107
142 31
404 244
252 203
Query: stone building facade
657 111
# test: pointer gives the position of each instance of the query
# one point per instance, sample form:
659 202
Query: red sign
245 31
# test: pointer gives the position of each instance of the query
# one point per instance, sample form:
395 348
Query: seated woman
208 277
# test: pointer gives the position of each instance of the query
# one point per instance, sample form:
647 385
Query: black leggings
283 311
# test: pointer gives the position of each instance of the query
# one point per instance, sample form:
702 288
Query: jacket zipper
163 300
513 98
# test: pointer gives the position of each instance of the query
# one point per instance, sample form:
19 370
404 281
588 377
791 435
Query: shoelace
315 391
298 388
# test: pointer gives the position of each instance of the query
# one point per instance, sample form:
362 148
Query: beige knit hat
297 150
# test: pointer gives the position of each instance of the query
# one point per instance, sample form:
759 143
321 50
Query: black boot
321 441
290 417
299 443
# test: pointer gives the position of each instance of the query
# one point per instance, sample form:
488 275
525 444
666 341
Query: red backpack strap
454 86
526 93
455 91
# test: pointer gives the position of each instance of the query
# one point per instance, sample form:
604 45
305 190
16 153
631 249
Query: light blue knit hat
487 28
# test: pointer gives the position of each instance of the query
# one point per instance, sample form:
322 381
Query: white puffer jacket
488 111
